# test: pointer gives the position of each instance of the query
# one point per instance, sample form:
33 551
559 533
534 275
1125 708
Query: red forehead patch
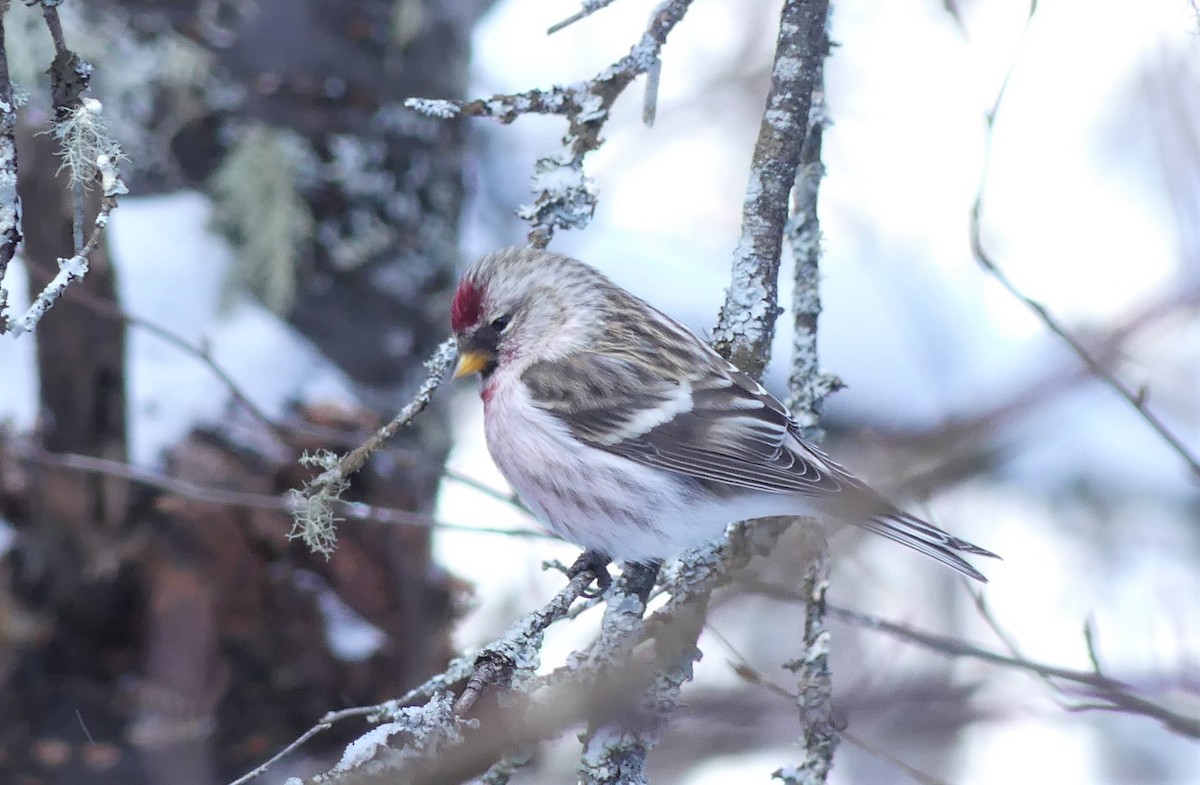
468 302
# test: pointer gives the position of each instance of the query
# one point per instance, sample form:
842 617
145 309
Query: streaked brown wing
718 425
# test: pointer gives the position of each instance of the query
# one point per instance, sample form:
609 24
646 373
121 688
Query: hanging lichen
259 207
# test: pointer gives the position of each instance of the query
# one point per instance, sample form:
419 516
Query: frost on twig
313 518
565 197
69 270
747 322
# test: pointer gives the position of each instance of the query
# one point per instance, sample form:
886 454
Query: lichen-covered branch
565 196
615 751
515 657
89 155
807 385
747 322
818 732
315 519
10 231
69 270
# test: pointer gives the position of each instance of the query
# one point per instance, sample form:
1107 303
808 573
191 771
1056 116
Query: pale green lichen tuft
84 141
260 208
313 519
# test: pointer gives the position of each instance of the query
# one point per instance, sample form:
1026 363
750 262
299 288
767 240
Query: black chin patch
486 339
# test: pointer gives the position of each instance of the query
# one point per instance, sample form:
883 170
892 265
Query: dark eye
499 323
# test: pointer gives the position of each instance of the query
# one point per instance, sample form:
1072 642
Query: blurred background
283 266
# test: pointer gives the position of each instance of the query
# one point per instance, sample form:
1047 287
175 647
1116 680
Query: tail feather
928 539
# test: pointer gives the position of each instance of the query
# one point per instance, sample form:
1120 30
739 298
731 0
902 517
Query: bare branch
1111 694
204 494
1136 398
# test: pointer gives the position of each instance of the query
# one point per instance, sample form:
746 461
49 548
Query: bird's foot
597 564
639 579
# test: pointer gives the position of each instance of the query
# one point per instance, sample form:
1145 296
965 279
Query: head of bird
520 304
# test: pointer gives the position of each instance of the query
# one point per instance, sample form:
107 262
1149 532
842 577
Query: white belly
602 501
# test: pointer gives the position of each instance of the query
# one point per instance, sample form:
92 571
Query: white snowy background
1091 208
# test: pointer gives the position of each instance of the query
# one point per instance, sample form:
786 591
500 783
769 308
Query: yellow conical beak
471 362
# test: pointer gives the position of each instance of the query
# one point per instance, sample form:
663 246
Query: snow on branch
565 197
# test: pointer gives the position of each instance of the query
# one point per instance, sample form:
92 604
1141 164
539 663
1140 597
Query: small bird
628 435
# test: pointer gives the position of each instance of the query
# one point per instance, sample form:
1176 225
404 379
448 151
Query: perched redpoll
627 435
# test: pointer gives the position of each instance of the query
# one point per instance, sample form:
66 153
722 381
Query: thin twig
54 25
443 357
315 519
206 494
285 431
1135 398
818 730
70 270
515 641
917 775
458 670
807 385
754 676
589 7
1114 694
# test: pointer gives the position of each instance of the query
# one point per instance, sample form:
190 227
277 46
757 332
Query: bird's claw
597 564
